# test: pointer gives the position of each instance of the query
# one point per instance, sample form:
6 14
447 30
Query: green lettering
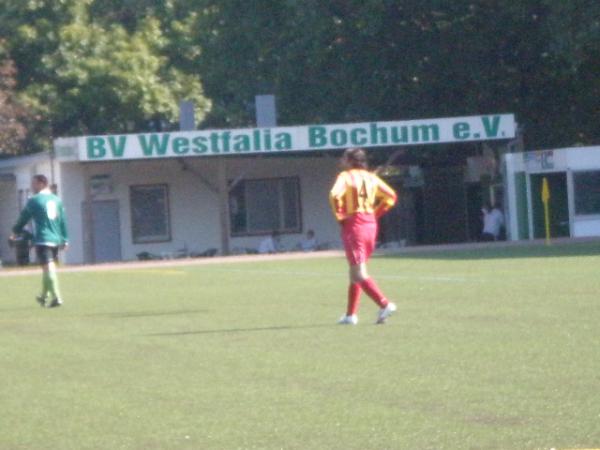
317 137
241 143
257 141
199 145
379 135
225 137
267 139
491 129
214 143
339 138
400 135
461 130
117 145
355 139
181 146
95 148
154 143
425 133
283 141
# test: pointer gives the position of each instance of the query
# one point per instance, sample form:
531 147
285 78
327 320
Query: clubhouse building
193 193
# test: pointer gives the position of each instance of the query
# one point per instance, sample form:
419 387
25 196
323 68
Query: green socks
53 286
45 285
50 285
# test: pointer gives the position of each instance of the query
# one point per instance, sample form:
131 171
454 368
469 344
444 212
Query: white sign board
295 139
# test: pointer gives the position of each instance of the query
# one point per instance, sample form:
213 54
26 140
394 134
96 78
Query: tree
83 72
108 80
390 59
123 65
12 115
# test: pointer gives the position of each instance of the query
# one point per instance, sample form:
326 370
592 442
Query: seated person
309 243
270 244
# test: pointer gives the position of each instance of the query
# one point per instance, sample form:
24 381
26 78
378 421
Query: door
106 229
558 205
475 200
444 206
399 224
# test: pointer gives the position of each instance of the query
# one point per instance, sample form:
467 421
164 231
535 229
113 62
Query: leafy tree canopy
13 119
98 66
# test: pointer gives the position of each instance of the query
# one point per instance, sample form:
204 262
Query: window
587 192
150 221
262 206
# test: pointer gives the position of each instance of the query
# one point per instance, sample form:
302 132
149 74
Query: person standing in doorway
358 198
48 215
493 221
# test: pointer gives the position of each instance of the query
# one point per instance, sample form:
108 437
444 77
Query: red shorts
359 234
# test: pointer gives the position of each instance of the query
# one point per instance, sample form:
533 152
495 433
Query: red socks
354 292
372 290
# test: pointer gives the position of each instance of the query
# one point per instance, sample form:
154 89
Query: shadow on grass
241 330
133 314
503 252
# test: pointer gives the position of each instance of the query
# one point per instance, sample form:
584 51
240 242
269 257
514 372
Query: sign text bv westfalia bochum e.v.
274 140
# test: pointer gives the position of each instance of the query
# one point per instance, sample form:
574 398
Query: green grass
498 349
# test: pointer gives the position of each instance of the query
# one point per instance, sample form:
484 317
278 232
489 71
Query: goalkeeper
48 215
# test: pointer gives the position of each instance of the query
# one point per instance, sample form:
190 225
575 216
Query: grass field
494 349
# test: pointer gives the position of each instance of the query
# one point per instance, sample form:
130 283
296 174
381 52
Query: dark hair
356 158
41 179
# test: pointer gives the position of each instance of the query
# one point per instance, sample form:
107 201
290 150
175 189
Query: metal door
106 229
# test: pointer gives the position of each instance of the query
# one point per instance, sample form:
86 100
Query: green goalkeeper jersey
48 215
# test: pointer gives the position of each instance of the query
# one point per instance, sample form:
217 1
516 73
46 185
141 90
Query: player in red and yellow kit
359 198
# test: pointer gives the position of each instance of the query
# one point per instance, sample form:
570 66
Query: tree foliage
97 66
12 115
84 72
385 59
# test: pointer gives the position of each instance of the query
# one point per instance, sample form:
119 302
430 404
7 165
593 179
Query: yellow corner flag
546 202
545 190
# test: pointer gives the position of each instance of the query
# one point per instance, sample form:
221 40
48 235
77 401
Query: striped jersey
360 191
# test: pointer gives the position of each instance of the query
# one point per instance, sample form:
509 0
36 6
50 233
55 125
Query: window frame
169 236
281 231
576 213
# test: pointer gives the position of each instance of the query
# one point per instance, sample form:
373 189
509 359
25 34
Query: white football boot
348 320
386 312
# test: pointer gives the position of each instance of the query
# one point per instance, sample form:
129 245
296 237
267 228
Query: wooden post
223 204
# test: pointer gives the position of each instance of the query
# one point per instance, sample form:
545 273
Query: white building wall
71 189
194 208
583 158
563 160
8 216
22 170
